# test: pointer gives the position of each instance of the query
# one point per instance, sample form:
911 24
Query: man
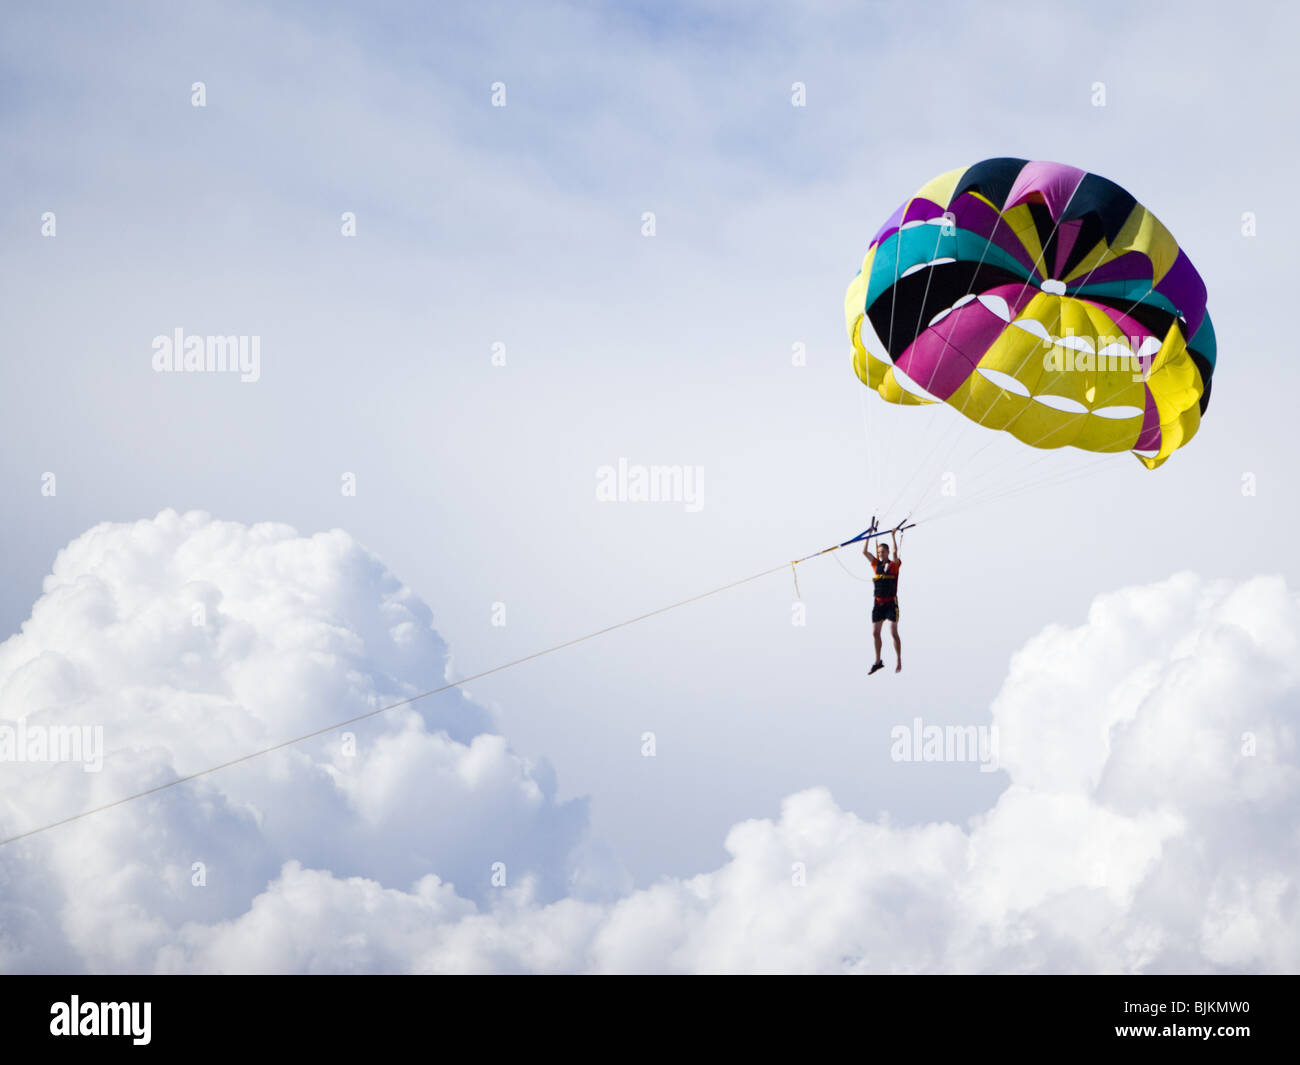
886 606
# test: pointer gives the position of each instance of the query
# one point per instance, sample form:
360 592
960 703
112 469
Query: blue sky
522 225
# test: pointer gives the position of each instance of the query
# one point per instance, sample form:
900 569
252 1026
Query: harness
886 581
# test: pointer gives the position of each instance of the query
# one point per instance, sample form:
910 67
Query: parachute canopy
1040 300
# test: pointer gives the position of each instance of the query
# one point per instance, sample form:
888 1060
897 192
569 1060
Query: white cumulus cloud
1148 823
186 642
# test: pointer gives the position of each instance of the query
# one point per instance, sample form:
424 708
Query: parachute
1039 300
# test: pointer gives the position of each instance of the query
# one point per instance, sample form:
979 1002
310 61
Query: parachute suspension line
1024 476
959 429
1059 477
1046 456
953 434
1038 263
930 516
929 430
1015 475
926 507
893 309
988 444
889 341
924 463
1091 470
872 476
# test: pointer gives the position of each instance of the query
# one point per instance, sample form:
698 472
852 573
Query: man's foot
878 665
899 669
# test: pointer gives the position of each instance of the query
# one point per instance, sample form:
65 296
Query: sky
353 522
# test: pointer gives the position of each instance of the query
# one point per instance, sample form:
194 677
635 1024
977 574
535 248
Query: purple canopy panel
921 210
1131 266
1183 287
891 224
1066 236
974 215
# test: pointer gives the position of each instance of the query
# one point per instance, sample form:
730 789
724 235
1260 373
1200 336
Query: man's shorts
887 611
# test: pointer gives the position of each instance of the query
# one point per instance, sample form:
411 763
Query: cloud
1147 824
1147 827
188 642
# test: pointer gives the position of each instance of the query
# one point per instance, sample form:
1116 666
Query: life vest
886 579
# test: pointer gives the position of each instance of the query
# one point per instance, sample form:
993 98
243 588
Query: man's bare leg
875 632
898 646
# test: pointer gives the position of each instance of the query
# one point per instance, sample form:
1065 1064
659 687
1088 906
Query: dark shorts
885 611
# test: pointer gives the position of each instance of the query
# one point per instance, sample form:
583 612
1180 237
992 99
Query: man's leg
898 646
875 632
